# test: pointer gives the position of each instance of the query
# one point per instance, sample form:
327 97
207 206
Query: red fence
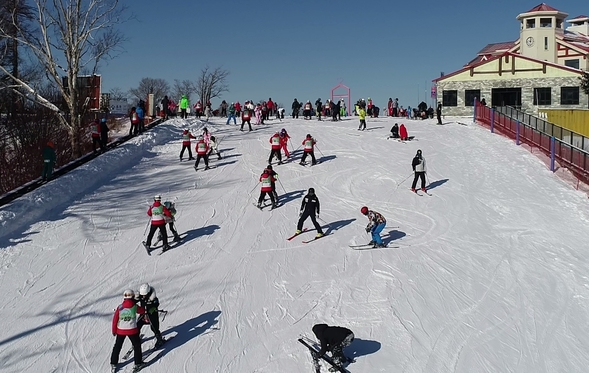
539 135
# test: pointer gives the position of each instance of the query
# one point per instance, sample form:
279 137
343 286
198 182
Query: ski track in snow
490 274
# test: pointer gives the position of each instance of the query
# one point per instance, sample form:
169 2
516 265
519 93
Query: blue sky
303 49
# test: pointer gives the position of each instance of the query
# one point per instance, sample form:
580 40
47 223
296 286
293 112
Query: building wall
527 89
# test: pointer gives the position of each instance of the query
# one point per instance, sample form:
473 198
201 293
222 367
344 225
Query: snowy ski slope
490 274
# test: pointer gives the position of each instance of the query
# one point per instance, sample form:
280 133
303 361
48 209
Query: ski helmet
269 167
364 210
157 198
129 294
418 151
144 289
311 191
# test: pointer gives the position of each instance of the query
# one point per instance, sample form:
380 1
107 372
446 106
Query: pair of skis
308 241
419 194
314 352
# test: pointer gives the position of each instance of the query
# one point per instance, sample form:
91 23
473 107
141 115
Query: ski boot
413 190
177 238
371 243
424 190
160 342
165 248
319 235
113 368
207 168
138 367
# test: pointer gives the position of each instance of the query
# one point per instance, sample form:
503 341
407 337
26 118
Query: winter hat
311 191
364 210
129 294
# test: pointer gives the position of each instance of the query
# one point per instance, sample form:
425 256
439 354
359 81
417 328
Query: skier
206 135
124 324
186 136
309 144
266 179
202 151
394 132
149 301
231 114
134 129
158 212
246 118
284 137
198 109
309 207
95 131
103 134
296 106
362 116
419 169
275 141
184 105
274 175
214 147
171 206
333 339
376 223
319 108
403 133
439 113
48 161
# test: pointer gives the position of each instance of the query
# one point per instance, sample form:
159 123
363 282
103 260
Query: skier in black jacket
334 339
309 207
296 106
148 300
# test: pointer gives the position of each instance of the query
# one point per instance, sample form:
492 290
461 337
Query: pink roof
542 8
579 17
494 48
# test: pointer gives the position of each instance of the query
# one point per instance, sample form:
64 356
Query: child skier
394 132
284 137
275 141
274 175
362 116
266 179
149 301
376 223
309 207
124 324
246 117
309 146
202 151
403 133
333 339
158 212
171 206
418 165
186 136
214 147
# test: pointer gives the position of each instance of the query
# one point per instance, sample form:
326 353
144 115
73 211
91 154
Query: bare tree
73 36
158 87
116 94
211 83
185 87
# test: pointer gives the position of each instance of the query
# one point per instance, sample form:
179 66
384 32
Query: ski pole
281 185
291 145
255 187
146 225
323 155
398 185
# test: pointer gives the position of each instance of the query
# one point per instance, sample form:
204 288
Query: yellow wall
520 64
573 120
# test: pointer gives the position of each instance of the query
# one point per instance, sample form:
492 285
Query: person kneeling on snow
333 339
394 132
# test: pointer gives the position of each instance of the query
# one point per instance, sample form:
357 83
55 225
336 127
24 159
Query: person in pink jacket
124 324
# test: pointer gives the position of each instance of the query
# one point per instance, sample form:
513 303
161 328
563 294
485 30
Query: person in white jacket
214 147
418 165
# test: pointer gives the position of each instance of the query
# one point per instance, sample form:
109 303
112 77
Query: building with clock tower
539 70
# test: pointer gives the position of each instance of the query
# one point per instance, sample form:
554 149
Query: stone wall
527 88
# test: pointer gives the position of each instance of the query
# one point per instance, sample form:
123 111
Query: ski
130 350
296 234
316 238
153 349
415 191
146 248
366 247
324 357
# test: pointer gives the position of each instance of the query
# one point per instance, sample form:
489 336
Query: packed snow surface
488 274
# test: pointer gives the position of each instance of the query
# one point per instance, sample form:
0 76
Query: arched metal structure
338 96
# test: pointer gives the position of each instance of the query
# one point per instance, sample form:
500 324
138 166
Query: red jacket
270 104
158 212
284 140
267 179
403 132
127 325
186 136
237 106
95 129
201 147
308 143
275 141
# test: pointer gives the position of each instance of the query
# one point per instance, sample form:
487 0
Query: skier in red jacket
267 180
403 133
284 137
275 141
158 212
309 146
124 324
186 136
202 152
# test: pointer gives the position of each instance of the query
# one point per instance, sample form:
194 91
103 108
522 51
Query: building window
546 43
531 23
572 63
470 95
569 95
545 22
559 24
450 98
542 96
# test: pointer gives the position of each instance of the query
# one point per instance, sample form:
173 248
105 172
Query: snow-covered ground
489 274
